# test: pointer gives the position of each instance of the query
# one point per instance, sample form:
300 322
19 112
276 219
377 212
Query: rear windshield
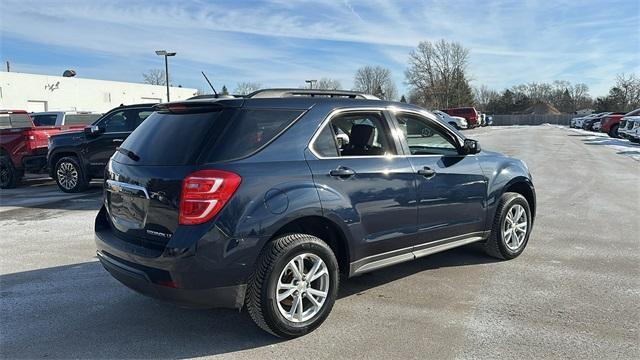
44 120
180 139
80 119
15 121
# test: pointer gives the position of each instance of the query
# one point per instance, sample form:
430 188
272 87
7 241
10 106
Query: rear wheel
69 175
511 227
294 286
9 175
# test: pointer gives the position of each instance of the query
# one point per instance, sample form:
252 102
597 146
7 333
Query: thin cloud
281 42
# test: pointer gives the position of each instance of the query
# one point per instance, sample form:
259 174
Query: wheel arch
323 228
524 187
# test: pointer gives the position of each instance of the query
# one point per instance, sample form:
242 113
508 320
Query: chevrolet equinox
264 201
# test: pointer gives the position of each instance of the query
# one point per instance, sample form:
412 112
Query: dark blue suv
264 201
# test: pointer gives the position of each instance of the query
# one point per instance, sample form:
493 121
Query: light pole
310 82
166 54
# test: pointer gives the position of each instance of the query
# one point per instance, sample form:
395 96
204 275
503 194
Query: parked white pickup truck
60 118
455 121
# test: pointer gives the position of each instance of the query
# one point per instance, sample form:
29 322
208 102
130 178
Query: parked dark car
254 202
74 158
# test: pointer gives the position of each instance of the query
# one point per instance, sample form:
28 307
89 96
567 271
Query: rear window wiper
129 153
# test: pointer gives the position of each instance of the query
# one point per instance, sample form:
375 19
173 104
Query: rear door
451 187
364 183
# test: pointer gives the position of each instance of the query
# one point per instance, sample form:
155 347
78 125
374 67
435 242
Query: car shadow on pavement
47 196
461 256
80 311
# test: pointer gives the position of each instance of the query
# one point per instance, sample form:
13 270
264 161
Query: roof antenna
206 78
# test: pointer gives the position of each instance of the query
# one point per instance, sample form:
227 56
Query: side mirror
93 130
471 147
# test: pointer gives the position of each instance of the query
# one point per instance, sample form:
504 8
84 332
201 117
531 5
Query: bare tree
375 80
437 74
246 87
630 90
328 84
484 95
154 77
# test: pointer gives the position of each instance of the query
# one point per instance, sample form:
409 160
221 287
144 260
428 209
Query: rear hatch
144 179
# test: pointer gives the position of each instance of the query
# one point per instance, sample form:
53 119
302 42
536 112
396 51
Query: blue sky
282 42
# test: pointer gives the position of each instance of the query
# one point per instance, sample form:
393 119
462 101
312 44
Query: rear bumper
141 280
183 277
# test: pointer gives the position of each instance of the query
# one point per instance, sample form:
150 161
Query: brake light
204 193
30 140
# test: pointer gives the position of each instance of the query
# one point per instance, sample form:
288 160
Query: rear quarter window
247 131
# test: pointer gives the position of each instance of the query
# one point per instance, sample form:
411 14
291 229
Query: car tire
274 290
508 236
9 175
69 175
613 132
455 125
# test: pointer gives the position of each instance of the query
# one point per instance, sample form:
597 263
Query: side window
140 118
325 144
115 122
423 137
125 120
357 134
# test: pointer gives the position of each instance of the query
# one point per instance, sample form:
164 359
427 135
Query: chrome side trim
118 186
439 246
379 261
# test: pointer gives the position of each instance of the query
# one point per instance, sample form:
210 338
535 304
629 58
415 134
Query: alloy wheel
67 175
514 227
303 287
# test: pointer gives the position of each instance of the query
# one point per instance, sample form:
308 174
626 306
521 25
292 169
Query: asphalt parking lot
574 293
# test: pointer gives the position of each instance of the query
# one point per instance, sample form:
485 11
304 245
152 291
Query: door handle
427 172
342 172
118 140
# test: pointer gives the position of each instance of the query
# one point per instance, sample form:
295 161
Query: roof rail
277 93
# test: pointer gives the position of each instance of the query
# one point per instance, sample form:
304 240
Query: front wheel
294 285
511 227
69 175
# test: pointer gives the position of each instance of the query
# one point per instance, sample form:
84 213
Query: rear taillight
204 193
30 140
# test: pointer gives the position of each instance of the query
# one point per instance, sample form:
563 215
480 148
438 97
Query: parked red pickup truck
469 113
23 146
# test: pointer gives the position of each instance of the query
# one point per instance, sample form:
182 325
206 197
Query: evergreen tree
224 90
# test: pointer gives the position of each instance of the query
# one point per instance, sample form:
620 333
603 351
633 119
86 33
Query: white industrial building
32 92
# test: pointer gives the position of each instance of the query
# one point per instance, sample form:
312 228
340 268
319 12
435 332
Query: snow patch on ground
622 147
